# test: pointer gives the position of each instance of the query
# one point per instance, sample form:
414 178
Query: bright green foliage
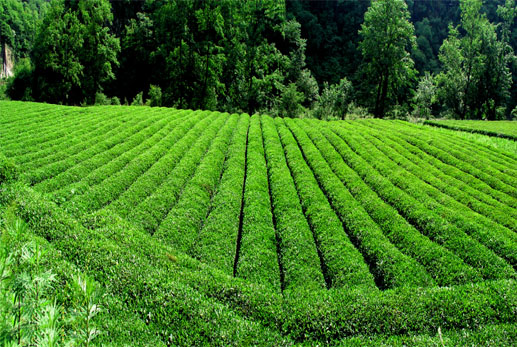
301 265
257 258
448 227
504 129
387 38
8 170
441 264
390 267
218 237
182 223
344 266
86 308
207 228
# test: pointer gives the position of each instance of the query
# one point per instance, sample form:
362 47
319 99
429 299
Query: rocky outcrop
7 61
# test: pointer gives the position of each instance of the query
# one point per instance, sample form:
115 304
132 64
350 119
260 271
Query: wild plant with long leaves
29 312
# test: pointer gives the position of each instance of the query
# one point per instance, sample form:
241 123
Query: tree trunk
382 101
182 83
377 110
205 83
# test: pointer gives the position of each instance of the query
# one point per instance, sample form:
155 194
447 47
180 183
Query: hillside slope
229 229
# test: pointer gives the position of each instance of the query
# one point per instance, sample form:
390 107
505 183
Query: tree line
289 58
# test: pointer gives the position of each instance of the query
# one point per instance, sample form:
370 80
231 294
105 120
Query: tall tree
190 39
387 38
476 78
99 52
497 79
263 64
74 52
58 70
135 71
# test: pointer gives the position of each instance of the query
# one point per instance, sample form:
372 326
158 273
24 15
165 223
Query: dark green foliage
476 79
138 100
334 100
290 104
331 30
155 96
115 101
20 87
136 45
101 99
425 97
233 56
214 54
74 56
387 37
431 19
18 25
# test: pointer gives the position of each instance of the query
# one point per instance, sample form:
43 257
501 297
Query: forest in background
323 59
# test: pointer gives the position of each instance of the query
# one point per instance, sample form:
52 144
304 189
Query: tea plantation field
208 228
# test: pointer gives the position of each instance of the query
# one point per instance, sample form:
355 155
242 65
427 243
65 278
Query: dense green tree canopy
18 23
387 38
476 78
74 56
272 56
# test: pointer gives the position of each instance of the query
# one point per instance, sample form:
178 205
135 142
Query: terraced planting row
504 129
284 222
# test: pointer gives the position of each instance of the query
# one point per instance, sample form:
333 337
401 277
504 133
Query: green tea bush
8 170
